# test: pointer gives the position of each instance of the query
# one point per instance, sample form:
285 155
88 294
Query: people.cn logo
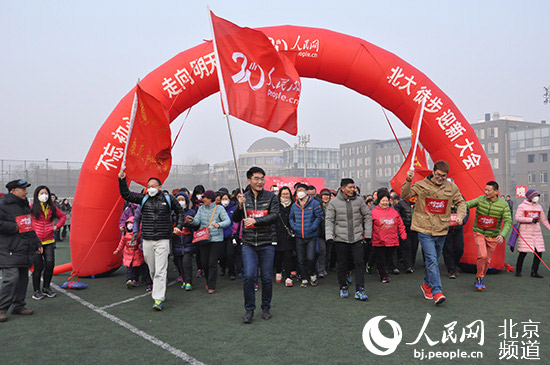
376 342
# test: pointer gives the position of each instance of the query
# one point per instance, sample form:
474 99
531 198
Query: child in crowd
132 254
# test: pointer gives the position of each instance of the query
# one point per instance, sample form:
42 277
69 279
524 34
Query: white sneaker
288 282
278 278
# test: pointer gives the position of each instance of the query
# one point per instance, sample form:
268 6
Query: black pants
305 250
135 272
187 267
210 254
44 262
384 255
536 262
14 288
348 253
410 247
66 228
453 249
283 259
227 262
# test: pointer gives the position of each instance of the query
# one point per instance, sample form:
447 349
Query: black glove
511 248
535 220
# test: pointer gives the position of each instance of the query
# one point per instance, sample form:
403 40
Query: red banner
280 181
149 150
262 86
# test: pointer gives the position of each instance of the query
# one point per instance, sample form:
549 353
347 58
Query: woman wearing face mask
216 219
44 213
196 197
529 214
227 261
183 248
285 238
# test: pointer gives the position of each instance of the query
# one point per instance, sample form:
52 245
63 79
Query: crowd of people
292 235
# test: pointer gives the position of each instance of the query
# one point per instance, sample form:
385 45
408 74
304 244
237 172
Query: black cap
17 184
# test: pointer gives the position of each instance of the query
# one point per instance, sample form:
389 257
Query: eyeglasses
257 178
441 176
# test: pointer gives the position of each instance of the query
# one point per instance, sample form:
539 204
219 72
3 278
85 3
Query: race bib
531 214
24 222
387 223
486 222
255 214
453 220
436 206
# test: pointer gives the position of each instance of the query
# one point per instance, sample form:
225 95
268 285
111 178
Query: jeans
254 256
432 247
44 262
305 250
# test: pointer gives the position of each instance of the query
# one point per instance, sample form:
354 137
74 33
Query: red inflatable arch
190 77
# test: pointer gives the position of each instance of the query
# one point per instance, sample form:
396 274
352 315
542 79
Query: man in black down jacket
262 210
18 244
156 230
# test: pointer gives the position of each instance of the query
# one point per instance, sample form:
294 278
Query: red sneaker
427 291
439 298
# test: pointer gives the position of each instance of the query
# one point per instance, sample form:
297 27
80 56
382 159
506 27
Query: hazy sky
66 64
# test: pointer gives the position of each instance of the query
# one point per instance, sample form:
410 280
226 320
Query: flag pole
413 158
225 104
132 119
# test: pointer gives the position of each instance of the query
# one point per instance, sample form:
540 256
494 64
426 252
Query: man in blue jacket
305 217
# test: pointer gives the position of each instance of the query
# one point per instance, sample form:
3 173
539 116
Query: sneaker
188 287
247 318
232 277
149 287
360 294
256 287
396 271
293 274
23 311
313 280
158 305
349 278
38 295
278 278
266 314
452 274
344 292
200 274
304 283
180 279
368 269
48 292
135 283
427 291
409 270
322 274
211 291
239 276
439 298
385 280
129 284
479 284
482 284
288 282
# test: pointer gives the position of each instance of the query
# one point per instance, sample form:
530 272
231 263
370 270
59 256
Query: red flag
149 149
262 86
421 170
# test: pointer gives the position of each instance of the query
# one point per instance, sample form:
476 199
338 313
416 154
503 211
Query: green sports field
309 325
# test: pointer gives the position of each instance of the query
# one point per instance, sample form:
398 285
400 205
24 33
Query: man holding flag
431 217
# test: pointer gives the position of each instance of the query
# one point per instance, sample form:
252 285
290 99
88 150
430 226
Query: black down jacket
265 209
156 213
16 249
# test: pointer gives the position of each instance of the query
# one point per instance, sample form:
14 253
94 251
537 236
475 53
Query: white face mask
43 198
285 201
183 203
301 194
152 191
535 199
225 203
199 196
130 227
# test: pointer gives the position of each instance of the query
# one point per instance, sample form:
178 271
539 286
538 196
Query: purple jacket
128 212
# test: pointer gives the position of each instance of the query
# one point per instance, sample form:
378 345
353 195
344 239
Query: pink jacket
530 231
386 225
133 256
43 226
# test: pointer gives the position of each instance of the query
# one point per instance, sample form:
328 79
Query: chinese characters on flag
262 85
149 149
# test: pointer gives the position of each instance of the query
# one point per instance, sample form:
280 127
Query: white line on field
133 298
182 355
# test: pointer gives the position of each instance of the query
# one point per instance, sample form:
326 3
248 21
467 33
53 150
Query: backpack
166 196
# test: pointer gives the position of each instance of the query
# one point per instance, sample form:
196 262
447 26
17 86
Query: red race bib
436 206
24 222
486 222
531 214
255 214
387 223
453 220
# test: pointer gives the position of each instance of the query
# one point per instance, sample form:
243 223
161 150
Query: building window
387 159
396 158
367 148
352 163
367 161
378 160
395 169
530 158
350 151
359 173
367 173
388 171
344 163
481 133
530 178
543 157
359 162
494 163
544 178
379 172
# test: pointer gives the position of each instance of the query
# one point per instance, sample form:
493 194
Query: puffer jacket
132 254
183 242
348 219
305 221
18 241
44 227
202 218
265 209
490 216
156 218
405 210
387 227
229 209
530 231
432 211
